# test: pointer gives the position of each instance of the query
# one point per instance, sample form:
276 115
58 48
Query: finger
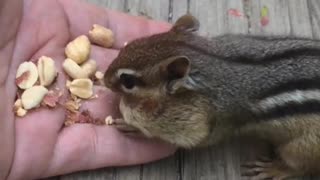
107 104
35 138
82 16
139 27
84 147
103 57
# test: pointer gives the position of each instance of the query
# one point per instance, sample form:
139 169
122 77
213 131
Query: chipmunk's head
157 94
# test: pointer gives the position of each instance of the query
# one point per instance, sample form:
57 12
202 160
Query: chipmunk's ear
186 23
176 70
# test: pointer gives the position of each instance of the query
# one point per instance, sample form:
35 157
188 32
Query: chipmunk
195 91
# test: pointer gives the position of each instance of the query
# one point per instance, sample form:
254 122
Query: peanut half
90 67
47 70
27 75
33 96
109 120
73 69
101 36
99 75
82 88
79 49
72 106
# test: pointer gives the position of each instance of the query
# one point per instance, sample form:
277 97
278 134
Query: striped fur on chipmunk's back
185 88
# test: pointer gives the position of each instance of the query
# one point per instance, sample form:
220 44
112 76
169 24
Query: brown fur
187 112
296 141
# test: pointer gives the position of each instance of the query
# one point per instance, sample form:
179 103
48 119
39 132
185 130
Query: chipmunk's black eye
128 80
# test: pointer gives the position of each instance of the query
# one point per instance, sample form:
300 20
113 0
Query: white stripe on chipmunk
298 96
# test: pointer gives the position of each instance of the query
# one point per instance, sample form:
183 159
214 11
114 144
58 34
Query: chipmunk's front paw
265 168
125 128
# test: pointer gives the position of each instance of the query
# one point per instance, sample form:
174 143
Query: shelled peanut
101 36
35 80
79 67
82 70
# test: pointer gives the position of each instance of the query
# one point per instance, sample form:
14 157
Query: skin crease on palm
37 145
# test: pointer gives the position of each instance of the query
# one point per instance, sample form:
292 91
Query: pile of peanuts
35 80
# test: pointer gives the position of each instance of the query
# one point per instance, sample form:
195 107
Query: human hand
38 145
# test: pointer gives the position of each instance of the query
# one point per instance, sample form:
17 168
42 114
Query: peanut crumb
109 120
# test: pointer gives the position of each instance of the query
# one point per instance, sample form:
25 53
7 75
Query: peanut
101 36
68 84
27 75
109 120
17 104
33 96
47 70
82 88
99 75
73 69
21 112
72 106
90 67
79 49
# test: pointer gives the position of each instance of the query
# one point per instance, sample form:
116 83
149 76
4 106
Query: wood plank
215 18
206 12
128 173
232 23
51 178
166 169
314 9
153 9
300 19
179 8
279 21
100 174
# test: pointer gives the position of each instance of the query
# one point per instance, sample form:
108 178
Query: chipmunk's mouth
131 117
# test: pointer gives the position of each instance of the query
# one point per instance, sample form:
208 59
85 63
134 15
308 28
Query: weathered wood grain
209 23
314 9
153 9
300 19
166 169
215 17
100 174
128 173
278 15
51 178
179 8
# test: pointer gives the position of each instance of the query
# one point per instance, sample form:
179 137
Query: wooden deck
296 17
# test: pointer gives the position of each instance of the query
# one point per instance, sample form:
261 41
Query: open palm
42 146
